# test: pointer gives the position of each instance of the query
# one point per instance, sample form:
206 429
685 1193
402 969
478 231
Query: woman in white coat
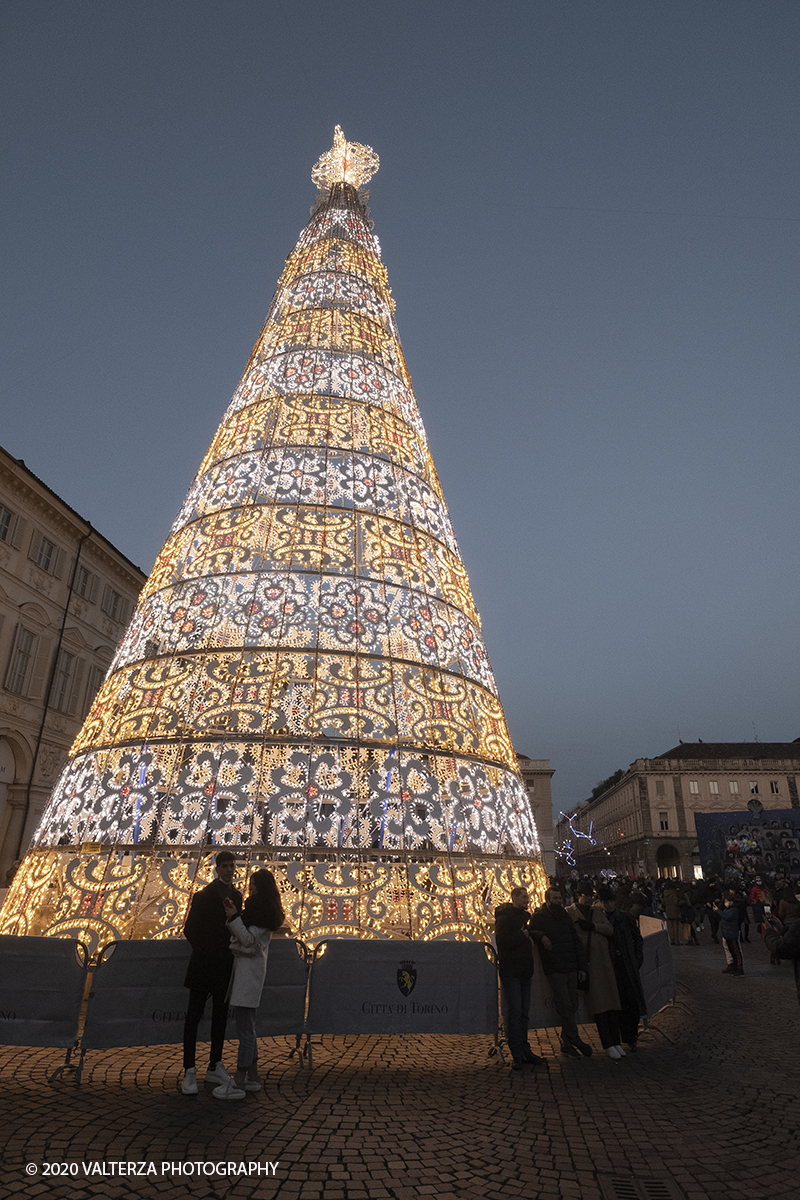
250 937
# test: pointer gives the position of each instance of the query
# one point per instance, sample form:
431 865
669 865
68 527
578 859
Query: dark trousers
564 987
608 1027
629 999
735 951
516 995
194 1013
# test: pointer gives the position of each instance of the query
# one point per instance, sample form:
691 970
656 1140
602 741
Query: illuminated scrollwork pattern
305 674
102 896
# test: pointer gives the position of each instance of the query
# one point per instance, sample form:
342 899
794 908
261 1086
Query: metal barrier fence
402 987
137 998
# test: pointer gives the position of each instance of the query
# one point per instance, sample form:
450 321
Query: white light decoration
304 679
345 162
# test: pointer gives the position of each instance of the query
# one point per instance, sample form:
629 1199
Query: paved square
709 1102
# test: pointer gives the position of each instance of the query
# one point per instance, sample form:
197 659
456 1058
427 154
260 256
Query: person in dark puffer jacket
564 963
515 965
729 932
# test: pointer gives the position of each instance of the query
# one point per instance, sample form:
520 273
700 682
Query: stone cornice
72 526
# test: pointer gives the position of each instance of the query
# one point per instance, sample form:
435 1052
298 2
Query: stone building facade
536 775
644 824
65 597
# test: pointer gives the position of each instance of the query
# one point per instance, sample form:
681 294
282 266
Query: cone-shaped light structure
304 679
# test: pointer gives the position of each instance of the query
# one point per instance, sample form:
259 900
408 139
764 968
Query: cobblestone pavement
709 1103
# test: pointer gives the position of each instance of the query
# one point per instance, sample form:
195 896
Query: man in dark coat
627 955
515 965
209 971
564 963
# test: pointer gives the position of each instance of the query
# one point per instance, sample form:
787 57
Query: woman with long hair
250 937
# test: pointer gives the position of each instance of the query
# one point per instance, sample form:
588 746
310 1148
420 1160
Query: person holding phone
785 943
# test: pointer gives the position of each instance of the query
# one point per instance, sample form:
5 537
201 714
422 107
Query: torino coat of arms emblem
406 977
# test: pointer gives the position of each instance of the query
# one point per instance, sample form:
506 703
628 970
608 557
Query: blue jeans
246 1033
516 995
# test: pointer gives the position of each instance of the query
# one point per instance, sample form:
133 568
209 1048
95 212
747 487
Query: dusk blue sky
590 216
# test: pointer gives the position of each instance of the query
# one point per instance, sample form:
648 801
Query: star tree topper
345 162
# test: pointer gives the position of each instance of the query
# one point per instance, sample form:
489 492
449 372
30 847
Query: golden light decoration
345 162
304 680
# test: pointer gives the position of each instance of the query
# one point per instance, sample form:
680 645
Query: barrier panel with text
138 998
658 972
42 981
657 975
402 987
542 1012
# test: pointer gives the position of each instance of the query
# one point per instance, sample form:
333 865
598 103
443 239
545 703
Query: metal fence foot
68 1065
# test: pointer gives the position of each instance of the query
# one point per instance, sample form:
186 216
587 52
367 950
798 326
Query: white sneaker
613 1052
217 1074
189 1082
620 1052
229 1091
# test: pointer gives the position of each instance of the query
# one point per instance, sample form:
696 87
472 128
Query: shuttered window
115 605
94 680
46 554
86 584
19 666
67 682
12 527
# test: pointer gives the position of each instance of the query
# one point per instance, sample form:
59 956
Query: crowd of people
588 935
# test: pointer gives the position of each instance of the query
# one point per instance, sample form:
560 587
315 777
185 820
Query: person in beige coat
250 937
602 999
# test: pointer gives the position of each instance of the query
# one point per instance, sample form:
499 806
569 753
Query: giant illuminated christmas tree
304 679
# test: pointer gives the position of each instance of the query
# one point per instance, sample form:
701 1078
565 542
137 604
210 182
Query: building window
112 603
115 605
663 820
46 555
734 786
5 524
774 788
713 787
86 584
93 684
20 664
694 787
659 787
65 667
753 787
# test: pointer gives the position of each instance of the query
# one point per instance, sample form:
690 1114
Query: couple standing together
229 944
593 947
